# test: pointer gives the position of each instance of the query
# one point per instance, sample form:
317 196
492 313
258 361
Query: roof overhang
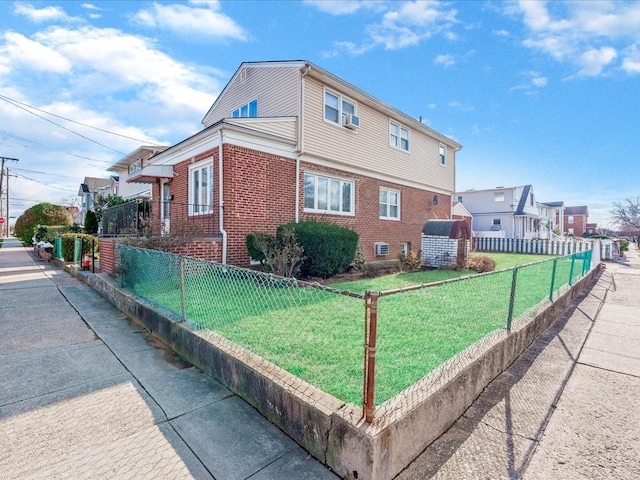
151 173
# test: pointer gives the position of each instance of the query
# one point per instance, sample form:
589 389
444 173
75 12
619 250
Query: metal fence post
183 301
573 261
512 298
93 255
553 279
370 334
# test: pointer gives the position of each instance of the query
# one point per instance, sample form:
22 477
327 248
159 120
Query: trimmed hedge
69 244
328 248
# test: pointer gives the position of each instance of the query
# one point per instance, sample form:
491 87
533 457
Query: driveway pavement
86 394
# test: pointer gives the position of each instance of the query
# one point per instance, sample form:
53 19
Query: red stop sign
1 220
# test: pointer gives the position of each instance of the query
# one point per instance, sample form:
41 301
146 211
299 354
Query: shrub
48 233
253 240
69 243
624 245
409 262
482 263
328 248
40 214
91 223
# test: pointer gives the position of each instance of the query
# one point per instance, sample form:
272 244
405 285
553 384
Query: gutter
300 142
221 196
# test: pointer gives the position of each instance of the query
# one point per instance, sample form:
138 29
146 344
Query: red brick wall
416 208
259 195
579 224
108 255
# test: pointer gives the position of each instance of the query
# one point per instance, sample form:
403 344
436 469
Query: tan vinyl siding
368 148
286 129
275 88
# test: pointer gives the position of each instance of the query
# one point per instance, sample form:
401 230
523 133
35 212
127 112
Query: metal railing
142 219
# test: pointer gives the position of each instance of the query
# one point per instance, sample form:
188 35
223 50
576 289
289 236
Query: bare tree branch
627 214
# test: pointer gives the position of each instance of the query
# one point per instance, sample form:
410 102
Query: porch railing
160 219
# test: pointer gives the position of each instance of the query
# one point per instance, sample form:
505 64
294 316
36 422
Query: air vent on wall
381 249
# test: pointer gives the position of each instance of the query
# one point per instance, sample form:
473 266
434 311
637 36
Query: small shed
446 244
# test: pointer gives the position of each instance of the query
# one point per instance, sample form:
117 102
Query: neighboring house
592 228
551 220
88 191
112 187
575 220
75 214
502 212
288 141
128 166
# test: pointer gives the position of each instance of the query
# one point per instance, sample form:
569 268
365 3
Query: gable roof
523 200
91 184
328 78
136 155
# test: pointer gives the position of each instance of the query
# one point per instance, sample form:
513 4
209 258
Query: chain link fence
414 338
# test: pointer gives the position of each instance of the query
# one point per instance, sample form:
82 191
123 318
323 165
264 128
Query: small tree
281 254
40 214
91 223
627 215
102 202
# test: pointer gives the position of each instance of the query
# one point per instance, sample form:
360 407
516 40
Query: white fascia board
373 174
281 149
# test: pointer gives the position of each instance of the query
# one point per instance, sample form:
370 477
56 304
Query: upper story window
328 195
498 197
336 108
134 167
248 110
570 219
398 136
201 188
531 199
442 154
389 204
459 199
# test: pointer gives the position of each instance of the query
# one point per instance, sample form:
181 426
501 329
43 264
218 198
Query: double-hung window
336 107
389 204
201 188
442 154
248 110
328 195
398 136
570 219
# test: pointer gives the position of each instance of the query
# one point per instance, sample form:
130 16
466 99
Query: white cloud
205 19
38 15
587 35
444 60
402 24
593 61
534 81
18 50
631 61
461 107
340 7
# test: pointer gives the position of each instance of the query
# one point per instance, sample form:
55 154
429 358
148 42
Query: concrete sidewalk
86 394
567 408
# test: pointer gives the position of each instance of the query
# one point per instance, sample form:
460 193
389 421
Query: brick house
575 220
288 141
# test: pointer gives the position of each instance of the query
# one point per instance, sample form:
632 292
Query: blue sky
541 93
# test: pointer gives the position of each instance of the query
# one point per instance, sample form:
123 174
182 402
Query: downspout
223 232
300 142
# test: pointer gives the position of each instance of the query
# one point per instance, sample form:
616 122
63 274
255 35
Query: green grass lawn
318 335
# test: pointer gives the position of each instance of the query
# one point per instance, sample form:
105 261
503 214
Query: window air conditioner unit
381 249
351 121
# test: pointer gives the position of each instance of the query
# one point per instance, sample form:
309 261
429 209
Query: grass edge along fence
408 332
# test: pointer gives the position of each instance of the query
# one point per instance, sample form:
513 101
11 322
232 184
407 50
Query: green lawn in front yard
318 335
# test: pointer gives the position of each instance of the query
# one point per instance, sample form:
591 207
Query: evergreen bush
328 248
69 242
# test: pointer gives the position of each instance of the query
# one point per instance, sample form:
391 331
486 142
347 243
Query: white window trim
352 199
400 128
192 200
440 162
341 98
389 190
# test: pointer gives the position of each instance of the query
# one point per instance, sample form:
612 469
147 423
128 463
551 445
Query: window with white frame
398 136
497 222
570 219
571 231
442 154
389 204
328 195
336 107
498 197
248 110
201 188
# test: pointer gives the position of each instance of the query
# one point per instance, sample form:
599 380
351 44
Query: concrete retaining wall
330 430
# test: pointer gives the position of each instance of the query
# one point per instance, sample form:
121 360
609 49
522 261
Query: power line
41 183
16 103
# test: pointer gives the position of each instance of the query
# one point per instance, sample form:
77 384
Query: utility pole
2 162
